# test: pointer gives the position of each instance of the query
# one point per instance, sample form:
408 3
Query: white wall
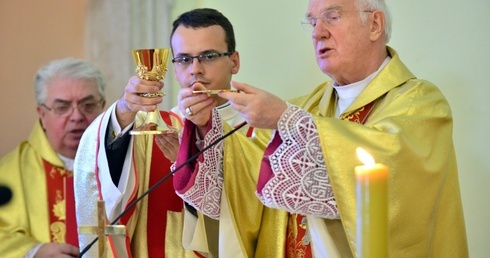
446 42
33 33
275 52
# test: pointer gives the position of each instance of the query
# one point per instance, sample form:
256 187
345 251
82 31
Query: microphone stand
153 187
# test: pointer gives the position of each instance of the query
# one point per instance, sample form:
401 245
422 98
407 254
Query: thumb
198 86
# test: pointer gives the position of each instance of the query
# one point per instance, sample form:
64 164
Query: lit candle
372 210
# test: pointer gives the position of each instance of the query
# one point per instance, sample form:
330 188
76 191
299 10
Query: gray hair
68 68
376 5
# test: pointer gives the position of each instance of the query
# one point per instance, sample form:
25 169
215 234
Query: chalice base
153 124
143 131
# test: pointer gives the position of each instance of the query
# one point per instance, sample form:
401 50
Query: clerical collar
347 93
222 106
226 111
230 115
67 161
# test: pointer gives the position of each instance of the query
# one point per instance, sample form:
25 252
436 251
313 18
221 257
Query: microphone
159 182
5 195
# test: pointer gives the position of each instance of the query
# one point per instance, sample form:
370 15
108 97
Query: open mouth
323 51
76 132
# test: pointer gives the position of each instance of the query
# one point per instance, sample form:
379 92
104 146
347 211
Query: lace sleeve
299 181
205 186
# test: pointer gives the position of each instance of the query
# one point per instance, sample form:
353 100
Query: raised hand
132 100
260 108
196 107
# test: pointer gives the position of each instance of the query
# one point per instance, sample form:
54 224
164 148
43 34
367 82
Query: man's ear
103 104
235 59
41 114
377 23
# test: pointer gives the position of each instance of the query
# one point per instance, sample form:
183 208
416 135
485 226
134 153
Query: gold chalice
151 65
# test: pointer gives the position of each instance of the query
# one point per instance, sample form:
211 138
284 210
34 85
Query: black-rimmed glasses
204 58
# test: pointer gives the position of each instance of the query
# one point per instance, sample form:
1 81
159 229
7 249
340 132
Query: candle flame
365 157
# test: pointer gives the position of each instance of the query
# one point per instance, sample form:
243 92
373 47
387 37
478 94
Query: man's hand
260 108
131 101
168 144
57 250
196 107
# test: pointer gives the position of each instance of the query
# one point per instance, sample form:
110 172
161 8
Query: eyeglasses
330 17
66 108
206 58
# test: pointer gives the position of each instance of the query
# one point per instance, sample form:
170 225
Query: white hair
68 68
373 5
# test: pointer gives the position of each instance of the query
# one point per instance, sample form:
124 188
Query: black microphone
5 195
153 187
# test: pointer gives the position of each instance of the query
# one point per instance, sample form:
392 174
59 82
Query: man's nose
196 66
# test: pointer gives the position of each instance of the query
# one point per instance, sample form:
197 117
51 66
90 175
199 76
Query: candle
372 210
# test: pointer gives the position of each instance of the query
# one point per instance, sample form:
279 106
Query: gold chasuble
42 206
409 129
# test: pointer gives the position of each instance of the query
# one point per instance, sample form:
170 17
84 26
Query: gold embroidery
59 195
303 223
57 181
306 237
58 230
52 172
297 249
59 210
354 116
61 171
